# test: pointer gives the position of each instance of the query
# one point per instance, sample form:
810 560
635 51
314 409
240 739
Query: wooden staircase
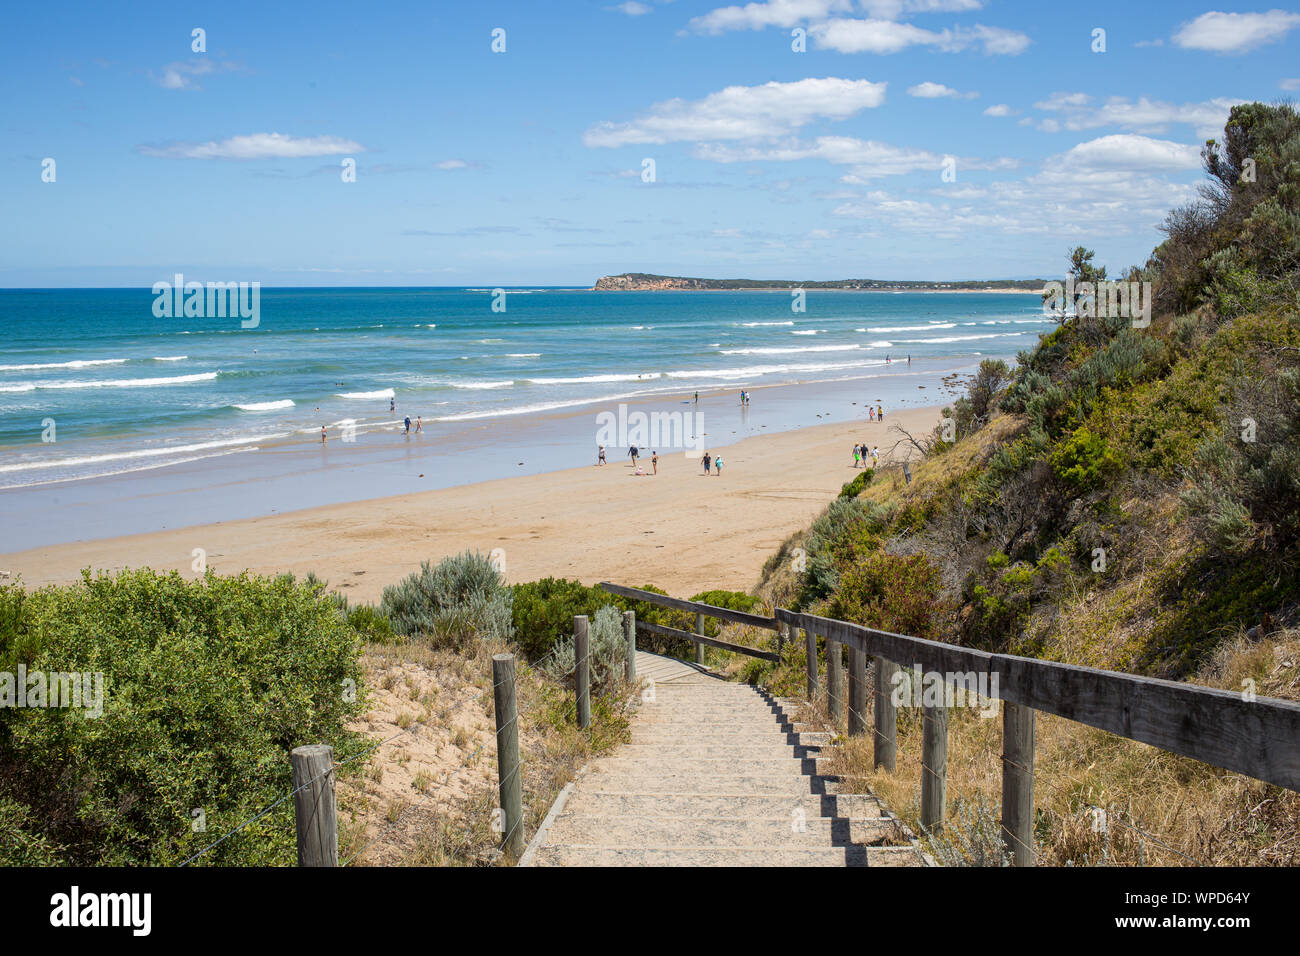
716 774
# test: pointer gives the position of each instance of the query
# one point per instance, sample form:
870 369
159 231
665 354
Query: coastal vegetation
1126 498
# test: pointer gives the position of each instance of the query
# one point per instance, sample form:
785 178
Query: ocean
94 385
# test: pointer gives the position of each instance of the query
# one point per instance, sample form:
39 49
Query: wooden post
629 638
509 784
934 763
699 629
810 646
834 681
781 631
1018 781
886 716
582 670
313 805
857 691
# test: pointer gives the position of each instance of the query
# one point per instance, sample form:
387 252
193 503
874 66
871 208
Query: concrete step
703 749
578 855
698 832
646 734
773 806
716 766
651 781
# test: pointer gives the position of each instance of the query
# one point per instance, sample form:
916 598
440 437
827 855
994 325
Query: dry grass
1101 800
428 797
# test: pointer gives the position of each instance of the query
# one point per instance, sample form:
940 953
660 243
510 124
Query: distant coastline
648 282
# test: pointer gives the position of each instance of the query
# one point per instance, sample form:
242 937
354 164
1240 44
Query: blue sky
526 167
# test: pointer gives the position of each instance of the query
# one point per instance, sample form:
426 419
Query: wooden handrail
710 641
1259 738
695 607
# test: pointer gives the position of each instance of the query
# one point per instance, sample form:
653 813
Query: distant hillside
646 282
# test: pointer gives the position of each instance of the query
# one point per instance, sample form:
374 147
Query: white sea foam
266 406
382 393
170 358
503 383
792 351
77 363
754 325
963 338
908 328
643 377
140 453
523 355
133 382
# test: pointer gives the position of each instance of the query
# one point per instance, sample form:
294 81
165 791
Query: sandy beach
679 530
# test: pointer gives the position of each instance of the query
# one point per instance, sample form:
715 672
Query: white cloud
258 146
1290 84
180 75
789 13
775 13
1235 32
1128 151
742 112
866 160
1000 109
451 164
888 36
1077 112
632 8
931 91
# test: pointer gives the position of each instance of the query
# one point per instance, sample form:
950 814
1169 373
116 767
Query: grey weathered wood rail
694 607
701 640
1257 736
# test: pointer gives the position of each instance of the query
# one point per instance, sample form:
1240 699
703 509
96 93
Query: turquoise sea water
128 391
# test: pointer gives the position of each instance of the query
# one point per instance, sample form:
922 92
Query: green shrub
461 598
891 593
371 624
607 650
207 687
543 612
860 481
1084 460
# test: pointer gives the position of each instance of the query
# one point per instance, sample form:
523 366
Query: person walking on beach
407 423
392 404
857 451
419 424
632 453
697 398
717 466
707 460
600 455
871 412
323 436
880 413
654 460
